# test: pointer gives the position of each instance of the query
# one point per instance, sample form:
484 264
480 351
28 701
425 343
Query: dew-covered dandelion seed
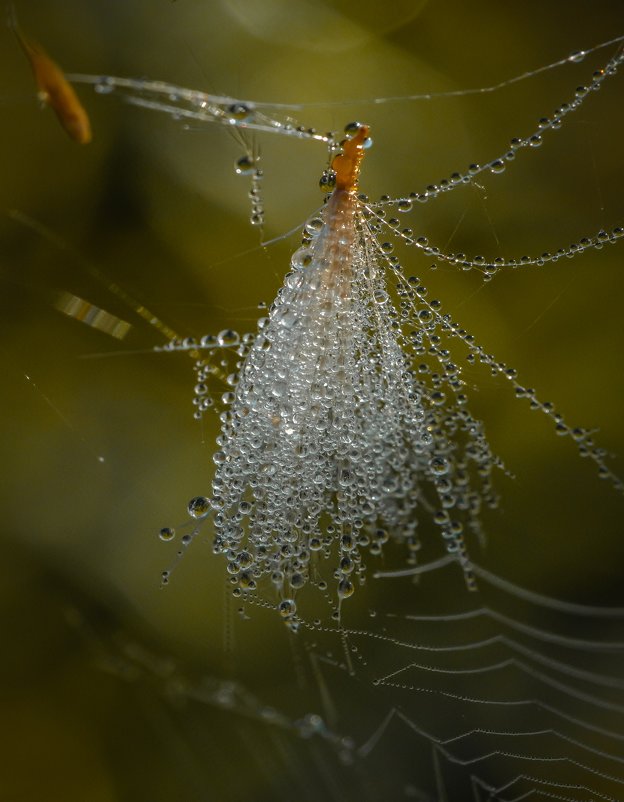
333 440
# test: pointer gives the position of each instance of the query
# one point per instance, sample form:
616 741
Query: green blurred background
158 210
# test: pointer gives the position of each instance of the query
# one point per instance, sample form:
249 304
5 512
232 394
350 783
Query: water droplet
301 259
381 296
287 608
345 589
439 465
228 338
208 341
240 111
198 507
577 56
246 165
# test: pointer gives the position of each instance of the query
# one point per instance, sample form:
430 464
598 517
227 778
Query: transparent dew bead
439 466
228 338
246 165
327 181
287 608
198 507
441 518
240 111
297 581
313 226
352 128
244 559
346 565
301 259
577 56
245 582
345 589
166 533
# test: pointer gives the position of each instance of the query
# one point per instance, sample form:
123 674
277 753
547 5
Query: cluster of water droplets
182 103
490 266
553 122
332 441
248 165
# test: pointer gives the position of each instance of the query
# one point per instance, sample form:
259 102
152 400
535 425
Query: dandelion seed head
331 439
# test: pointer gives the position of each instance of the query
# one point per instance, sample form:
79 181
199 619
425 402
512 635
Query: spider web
502 695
